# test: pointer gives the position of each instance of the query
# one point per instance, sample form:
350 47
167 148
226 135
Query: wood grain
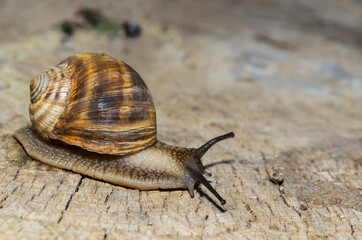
286 78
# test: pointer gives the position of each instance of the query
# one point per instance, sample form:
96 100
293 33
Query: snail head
195 166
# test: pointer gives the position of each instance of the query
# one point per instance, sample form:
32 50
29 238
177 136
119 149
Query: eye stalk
204 148
193 167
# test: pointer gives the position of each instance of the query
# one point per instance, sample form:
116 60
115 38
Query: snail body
94 115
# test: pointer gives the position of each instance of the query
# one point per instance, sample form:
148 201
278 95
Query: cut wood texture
285 76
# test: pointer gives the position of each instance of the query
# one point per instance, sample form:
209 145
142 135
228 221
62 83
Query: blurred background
284 75
222 50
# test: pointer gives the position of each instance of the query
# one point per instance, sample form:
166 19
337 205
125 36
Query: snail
94 115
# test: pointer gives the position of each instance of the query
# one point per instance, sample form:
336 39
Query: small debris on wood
303 207
253 197
275 175
132 29
96 20
67 27
281 189
92 16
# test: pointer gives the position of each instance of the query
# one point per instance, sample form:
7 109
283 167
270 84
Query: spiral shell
95 102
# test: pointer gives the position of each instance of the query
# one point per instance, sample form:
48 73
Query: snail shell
102 105
95 102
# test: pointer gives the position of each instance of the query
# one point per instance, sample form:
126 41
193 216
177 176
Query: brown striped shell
95 102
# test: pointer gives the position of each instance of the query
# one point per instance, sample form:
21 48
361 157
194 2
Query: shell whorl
95 102
37 86
48 94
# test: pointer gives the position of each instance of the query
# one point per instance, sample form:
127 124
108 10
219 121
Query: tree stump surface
285 76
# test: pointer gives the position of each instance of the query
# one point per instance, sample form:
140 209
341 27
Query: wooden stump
286 78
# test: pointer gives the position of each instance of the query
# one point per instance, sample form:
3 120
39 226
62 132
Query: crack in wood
139 201
3 200
105 235
60 184
14 178
42 189
248 208
271 211
284 201
198 205
352 230
107 197
14 190
70 198
299 213
16 175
